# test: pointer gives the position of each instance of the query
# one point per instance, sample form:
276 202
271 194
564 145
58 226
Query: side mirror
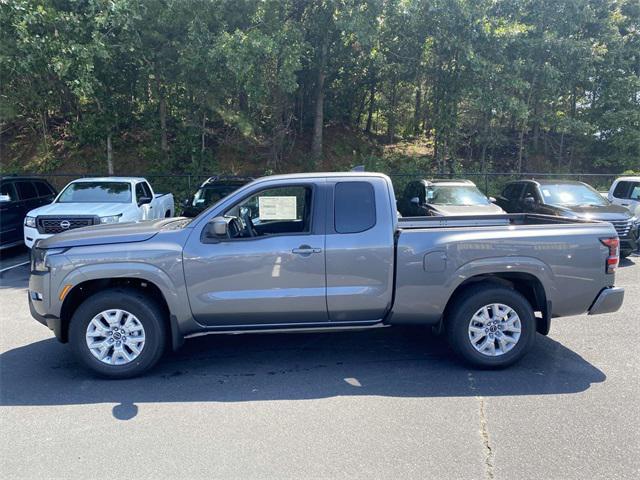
5 198
144 200
492 199
185 202
415 200
218 227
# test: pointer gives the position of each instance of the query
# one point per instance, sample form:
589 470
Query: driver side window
279 210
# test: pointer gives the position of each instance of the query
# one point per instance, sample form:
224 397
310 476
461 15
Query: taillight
613 244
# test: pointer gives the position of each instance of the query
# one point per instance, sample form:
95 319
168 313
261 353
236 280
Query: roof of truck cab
552 181
111 179
289 176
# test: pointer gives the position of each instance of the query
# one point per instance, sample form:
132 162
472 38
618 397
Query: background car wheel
491 326
625 253
118 333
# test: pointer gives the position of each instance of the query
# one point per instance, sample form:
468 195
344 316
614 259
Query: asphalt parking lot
387 403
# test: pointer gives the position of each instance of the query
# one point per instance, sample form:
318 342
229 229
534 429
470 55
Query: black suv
212 190
19 195
569 199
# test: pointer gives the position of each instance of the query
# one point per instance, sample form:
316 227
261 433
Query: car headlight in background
39 257
111 219
30 222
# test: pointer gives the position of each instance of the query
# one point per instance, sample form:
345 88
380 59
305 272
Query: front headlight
111 219
39 257
635 220
30 222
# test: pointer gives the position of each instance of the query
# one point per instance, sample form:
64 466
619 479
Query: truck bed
509 219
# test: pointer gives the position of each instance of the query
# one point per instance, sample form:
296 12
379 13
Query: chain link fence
183 186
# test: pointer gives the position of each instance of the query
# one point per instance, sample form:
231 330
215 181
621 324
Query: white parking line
14 266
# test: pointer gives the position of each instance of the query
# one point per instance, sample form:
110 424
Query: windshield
455 195
96 192
571 194
209 195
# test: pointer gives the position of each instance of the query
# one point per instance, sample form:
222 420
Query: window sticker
277 208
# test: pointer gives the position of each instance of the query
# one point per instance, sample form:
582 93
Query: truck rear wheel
118 333
491 326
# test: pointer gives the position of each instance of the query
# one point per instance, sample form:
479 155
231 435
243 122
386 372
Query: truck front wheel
118 333
491 326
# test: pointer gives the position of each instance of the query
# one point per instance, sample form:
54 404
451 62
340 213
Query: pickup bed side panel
432 262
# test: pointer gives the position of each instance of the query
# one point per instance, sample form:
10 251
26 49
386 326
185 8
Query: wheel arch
83 290
527 284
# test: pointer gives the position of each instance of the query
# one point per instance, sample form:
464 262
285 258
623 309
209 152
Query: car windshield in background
456 195
571 194
96 192
210 195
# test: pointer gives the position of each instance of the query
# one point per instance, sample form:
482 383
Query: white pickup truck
94 201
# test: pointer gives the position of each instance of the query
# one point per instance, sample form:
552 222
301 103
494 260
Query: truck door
360 250
11 214
270 273
147 208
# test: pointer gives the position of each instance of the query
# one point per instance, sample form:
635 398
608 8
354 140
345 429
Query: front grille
62 224
623 227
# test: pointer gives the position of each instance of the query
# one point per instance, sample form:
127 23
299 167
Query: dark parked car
211 191
19 195
444 198
570 199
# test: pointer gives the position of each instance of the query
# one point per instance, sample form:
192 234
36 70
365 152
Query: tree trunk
164 145
520 148
318 118
391 122
44 131
372 100
417 113
109 154
203 134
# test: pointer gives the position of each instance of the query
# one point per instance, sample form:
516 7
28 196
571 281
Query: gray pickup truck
318 252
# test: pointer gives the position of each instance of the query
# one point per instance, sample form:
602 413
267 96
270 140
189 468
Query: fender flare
174 295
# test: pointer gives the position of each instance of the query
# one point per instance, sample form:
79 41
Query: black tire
167 214
625 253
145 309
468 303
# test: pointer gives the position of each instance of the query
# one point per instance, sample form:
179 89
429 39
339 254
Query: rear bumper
608 300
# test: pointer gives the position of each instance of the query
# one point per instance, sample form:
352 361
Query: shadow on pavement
629 261
398 362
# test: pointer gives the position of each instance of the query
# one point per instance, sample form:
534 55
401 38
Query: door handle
305 250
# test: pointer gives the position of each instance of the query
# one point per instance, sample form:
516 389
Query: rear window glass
355 208
43 189
26 190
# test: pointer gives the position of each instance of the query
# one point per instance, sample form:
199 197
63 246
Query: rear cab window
26 190
354 207
43 189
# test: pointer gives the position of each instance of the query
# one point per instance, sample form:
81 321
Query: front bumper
50 321
631 242
31 235
608 300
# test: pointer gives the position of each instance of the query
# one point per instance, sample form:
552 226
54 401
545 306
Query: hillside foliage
260 85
